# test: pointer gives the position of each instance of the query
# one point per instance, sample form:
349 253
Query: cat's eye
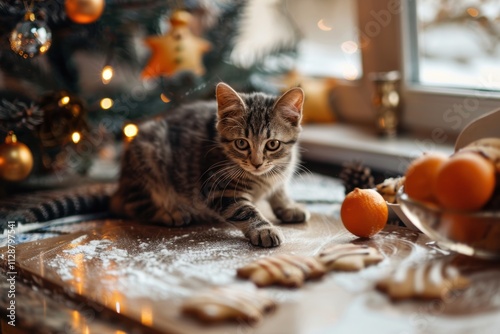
273 145
241 144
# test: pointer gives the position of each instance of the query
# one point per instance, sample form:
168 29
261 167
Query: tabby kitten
212 161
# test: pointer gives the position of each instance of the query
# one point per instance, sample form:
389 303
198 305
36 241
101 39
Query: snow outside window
458 43
330 38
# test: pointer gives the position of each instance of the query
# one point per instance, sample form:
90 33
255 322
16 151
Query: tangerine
364 212
464 228
421 175
465 182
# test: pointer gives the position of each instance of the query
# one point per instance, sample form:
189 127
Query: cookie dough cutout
225 304
285 270
349 257
434 280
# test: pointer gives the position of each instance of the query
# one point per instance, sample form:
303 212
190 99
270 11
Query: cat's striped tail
43 206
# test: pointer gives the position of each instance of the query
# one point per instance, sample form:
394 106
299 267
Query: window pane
329 45
458 43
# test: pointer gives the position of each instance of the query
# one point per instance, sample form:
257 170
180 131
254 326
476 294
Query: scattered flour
79 239
156 269
89 250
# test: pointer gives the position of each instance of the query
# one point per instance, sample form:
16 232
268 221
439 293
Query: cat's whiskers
278 177
230 177
216 176
236 176
300 172
214 166
215 146
227 173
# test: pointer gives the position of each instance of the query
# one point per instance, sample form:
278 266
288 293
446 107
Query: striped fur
211 161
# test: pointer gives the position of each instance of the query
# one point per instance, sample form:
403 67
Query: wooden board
140 274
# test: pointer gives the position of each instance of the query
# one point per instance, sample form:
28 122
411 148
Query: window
452 74
329 44
457 43
446 50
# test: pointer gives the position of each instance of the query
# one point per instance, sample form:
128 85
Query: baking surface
141 273
113 276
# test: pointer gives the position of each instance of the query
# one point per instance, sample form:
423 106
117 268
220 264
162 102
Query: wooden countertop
113 276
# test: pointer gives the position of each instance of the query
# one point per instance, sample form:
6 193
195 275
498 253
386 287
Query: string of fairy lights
31 38
63 113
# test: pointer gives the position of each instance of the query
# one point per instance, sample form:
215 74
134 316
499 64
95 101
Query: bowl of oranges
455 200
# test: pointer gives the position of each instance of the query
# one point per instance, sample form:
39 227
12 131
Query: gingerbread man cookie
349 257
228 304
286 270
427 281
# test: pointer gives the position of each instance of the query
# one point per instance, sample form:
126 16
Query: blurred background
77 76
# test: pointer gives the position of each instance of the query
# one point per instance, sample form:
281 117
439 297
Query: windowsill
339 143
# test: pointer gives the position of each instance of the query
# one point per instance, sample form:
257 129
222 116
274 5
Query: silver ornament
30 37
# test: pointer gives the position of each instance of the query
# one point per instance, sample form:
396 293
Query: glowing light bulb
472 11
349 47
164 98
130 130
146 316
75 137
350 72
323 26
106 103
107 74
64 101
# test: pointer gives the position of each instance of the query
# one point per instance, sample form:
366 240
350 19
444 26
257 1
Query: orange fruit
463 228
421 175
465 182
364 212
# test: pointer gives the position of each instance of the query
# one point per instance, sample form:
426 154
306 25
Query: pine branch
222 35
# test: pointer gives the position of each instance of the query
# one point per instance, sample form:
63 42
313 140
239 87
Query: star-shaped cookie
285 270
228 304
432 280
349 257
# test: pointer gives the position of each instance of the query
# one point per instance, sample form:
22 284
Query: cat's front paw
266 236
292 214
177 218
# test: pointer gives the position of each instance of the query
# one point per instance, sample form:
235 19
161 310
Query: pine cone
355 175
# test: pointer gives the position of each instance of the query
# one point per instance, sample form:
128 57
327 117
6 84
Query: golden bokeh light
472 11
349 47
164 98
106 103
64 101
323 26
350 72
130 130
107 74
147 316
75 137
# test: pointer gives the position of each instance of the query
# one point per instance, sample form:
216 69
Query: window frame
439 109
442 112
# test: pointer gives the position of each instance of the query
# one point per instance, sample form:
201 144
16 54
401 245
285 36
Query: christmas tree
74 73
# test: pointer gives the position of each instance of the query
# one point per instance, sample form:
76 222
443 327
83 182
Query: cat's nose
257 166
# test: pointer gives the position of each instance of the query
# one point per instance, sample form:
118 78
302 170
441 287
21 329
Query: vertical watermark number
11 273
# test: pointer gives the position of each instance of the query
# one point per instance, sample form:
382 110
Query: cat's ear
289 105
227 100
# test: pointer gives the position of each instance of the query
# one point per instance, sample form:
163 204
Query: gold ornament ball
84 11
16 160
